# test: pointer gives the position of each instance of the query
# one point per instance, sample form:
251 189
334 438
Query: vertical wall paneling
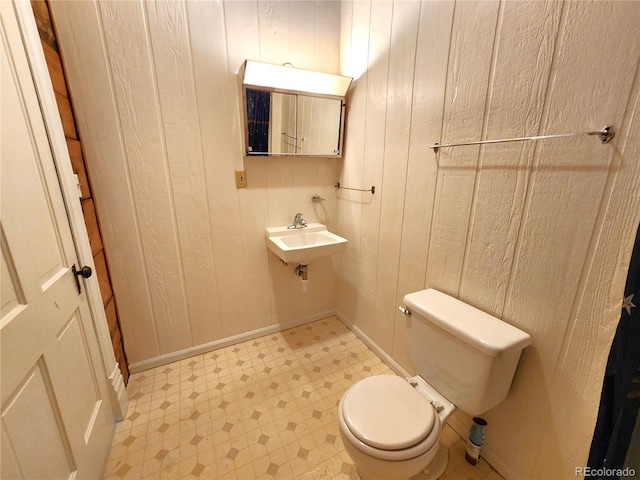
428 92
350 202
266 27
243 42
522 230
612 105
563 172
136 92
289 183
259 26
563 184
469 66
376 88
342 282
520 89
526 29
346 30
303 31
274 36
160 104
78 25
328 33
173 67
402 57
582 357
214 79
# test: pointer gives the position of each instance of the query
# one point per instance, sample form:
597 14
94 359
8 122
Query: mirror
286 124
289 111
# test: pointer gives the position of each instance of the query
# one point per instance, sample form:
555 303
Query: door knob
84 272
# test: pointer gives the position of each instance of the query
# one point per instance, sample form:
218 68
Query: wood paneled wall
539 234
155 88
74 144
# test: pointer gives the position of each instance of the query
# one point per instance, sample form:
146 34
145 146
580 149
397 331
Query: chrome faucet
298 222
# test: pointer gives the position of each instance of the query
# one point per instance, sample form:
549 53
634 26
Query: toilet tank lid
486 332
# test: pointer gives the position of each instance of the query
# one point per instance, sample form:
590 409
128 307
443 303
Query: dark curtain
620 398
258 111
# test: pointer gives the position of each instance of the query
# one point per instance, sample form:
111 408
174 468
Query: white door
57 420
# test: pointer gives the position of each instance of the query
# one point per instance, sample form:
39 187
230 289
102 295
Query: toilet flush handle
404 310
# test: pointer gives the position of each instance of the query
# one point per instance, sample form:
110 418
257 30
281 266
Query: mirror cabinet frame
292 81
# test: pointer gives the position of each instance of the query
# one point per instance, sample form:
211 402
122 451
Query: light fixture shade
294 80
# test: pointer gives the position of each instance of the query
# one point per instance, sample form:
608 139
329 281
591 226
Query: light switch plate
241 179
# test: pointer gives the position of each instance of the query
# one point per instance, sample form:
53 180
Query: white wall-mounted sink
303 245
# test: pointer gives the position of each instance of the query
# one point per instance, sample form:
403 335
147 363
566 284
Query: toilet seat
387 418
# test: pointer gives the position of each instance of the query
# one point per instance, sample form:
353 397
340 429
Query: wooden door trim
53 124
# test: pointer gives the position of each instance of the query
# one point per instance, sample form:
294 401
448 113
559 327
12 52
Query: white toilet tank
466 354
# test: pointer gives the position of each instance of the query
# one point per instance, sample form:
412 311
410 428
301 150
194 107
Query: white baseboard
118 394
384 356
224 342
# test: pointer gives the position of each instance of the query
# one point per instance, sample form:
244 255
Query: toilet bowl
391 426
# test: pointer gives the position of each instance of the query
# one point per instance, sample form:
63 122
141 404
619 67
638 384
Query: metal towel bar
605 135
372 189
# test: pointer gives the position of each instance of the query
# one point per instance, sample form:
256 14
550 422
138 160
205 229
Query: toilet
464 358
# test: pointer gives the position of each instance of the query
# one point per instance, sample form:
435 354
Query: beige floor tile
262 409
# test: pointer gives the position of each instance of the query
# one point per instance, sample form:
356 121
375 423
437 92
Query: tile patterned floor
262 409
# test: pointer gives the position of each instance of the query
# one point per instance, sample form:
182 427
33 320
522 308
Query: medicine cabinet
289 111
